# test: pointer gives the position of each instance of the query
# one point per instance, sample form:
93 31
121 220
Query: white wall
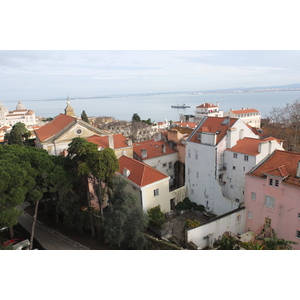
232 221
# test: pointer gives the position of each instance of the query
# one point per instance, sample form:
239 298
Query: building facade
272 193
20 114
204 163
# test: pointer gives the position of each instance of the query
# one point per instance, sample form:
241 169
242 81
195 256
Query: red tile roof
186 124
206 105
281 164
141 174
249 145
154 149
244 111
52 128
102 141
213 125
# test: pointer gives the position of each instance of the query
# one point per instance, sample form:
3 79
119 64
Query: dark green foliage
227 242
84 117
156 217
275 243
18 135
187 204
136 117
125 224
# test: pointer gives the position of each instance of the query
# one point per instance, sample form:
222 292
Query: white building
20 114
250 116
204 161
207 110
157 154
244 155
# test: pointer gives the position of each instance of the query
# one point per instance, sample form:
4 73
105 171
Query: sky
34 74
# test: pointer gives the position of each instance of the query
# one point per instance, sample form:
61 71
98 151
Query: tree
84 117
285 124
136 117
18 135
12 191
125 225
275 243
42 176
96 167
228 242
156 216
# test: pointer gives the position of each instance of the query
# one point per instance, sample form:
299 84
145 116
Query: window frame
156 192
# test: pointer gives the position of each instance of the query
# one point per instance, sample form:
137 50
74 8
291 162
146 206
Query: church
20 114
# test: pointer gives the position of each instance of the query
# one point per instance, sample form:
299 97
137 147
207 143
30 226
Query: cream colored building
55 136
249 116
150 186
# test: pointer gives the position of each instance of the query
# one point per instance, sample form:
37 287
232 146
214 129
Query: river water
157 107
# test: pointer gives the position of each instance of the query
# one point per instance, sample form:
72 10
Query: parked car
3 229
17 244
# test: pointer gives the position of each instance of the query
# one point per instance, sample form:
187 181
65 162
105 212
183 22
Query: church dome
20 106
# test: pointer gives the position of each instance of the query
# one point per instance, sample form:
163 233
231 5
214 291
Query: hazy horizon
45 74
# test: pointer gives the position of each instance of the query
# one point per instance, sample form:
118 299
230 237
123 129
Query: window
156 192
237 200
298 215
189 153
231 186
246 158
197 174
196 154
164 165
170 165
233 167
274 182
234 155
250 214
79 131
253 196
298 234
269 201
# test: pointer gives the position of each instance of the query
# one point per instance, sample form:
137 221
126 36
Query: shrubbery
188 204
191 224
156 217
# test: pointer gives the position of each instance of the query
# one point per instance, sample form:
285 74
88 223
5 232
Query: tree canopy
18 135
84 117
285 124
126 222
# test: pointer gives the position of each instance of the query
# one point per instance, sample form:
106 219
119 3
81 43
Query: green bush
187 204
156 217
191 224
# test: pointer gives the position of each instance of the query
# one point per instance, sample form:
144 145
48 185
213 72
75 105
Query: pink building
272 196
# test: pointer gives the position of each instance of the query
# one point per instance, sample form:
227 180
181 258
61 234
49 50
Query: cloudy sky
33 74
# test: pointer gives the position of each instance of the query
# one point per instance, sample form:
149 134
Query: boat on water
180 106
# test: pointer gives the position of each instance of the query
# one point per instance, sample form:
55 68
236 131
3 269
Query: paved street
48 238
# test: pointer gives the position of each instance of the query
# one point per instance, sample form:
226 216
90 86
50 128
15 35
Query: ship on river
180 106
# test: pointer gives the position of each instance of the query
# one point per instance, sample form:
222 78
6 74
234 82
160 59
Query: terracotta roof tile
186 124
141 174
206 105
102 141
213 125
52 128
244 111
281 164
154 149
249 145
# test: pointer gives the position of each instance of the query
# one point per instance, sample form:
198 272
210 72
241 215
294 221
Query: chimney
126 172
111 141
163 148
144 153
298 170
129 142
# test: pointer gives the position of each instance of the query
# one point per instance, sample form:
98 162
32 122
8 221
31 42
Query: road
48 238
